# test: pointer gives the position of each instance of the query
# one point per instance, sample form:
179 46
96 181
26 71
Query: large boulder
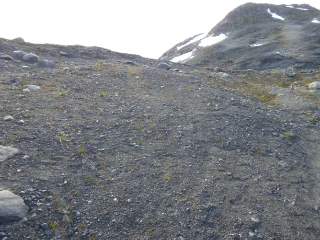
30 57
46 64
12 207
18 54
164 65
314 85
7 152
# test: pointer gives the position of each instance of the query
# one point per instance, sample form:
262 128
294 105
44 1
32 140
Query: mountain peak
258 36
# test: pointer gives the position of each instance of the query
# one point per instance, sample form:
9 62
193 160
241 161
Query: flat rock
5 57
315 85
33 87
62 53
46 64
30 57
12 207
7 152
18 54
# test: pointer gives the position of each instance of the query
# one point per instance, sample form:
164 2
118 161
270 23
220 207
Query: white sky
144 27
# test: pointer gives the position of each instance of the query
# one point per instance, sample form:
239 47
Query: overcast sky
144 27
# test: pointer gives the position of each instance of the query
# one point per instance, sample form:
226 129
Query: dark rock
5 57
11 81
130 63
290 72
30 57
18 54
46 64
164 65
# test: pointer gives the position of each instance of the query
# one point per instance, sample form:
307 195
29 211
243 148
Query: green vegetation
81 150
288 134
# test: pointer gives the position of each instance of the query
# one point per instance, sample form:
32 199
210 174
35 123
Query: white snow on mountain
274 15
197 38
256 45
212 40
183 57
315 21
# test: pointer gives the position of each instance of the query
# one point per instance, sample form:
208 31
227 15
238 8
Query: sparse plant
53 225
288 134
89 178
81 150
167 176
194 207
313 120
99 65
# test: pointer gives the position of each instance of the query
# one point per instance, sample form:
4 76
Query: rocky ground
111 146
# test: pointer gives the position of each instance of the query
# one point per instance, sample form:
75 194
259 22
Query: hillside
103 145
256 36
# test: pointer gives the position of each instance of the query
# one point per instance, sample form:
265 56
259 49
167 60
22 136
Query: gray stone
62 53
33 87
30 57
8 118
18 54
19 39
164 65
12 207
46 64
1 108
290 72
12 80
5 57
53 53
44 226
7 152
314 85
222 75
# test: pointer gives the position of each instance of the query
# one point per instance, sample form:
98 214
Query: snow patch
256 45
212 40
183 57
315 21
192 41
289 6
303 9
274 15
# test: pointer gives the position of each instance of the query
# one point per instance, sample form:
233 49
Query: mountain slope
111 146
257 36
